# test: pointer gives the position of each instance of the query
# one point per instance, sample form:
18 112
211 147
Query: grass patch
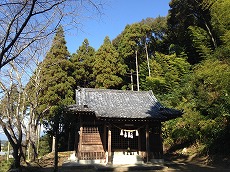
4 165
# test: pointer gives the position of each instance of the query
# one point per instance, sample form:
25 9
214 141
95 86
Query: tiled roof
109 103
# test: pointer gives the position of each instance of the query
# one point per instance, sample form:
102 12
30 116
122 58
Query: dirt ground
167 167
173 162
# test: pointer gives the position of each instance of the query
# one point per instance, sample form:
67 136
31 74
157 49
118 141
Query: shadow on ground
175 162
167 166
180 162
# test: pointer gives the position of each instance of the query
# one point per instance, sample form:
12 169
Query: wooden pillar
109 145
76 140
139 142
161 142
104 138
68 141
147 143
80 141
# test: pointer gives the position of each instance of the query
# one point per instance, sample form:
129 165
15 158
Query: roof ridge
112 90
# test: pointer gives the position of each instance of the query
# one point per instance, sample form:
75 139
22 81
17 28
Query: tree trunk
28 151
147 56
38 137
14 143
8 151
53 143
210 34
138 87
17 157
131 80
33 141
56 152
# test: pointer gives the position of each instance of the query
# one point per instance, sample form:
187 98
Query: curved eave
170 113
164 114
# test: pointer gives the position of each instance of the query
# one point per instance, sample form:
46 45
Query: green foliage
205 100
133 36
145 37
4 165
158 84
56 82
108 67
158 26
220 15
83 62
203 93
156 35
201 41
212 87
182 15
183 130
133 39
220 144
45 145
167 72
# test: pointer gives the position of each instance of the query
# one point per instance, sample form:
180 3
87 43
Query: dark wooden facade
107 126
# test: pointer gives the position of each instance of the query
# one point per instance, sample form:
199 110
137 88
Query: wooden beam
147 143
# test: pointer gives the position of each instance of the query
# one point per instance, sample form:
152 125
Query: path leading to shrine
172 163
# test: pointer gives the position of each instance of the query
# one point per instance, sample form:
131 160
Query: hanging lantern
137 133
121 133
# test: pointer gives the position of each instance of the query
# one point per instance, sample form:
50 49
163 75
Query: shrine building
119 123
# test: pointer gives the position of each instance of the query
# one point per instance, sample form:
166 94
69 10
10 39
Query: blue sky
116 15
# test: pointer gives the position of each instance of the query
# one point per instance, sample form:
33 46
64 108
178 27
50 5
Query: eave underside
121 119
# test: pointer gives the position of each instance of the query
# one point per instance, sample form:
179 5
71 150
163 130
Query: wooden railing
91 155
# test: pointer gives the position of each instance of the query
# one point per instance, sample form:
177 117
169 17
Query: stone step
120 158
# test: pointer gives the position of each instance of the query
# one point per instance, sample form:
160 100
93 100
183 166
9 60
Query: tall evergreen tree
57 82
83 62
133 38
132 47
108 67
156 39
57 87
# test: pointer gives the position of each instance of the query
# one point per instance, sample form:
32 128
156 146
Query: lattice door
91 147
122 143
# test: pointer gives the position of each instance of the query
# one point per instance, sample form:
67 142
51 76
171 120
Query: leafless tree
18 117
32 90
24 22
13 110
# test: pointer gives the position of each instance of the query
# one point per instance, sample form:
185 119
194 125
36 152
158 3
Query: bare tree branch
23 23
